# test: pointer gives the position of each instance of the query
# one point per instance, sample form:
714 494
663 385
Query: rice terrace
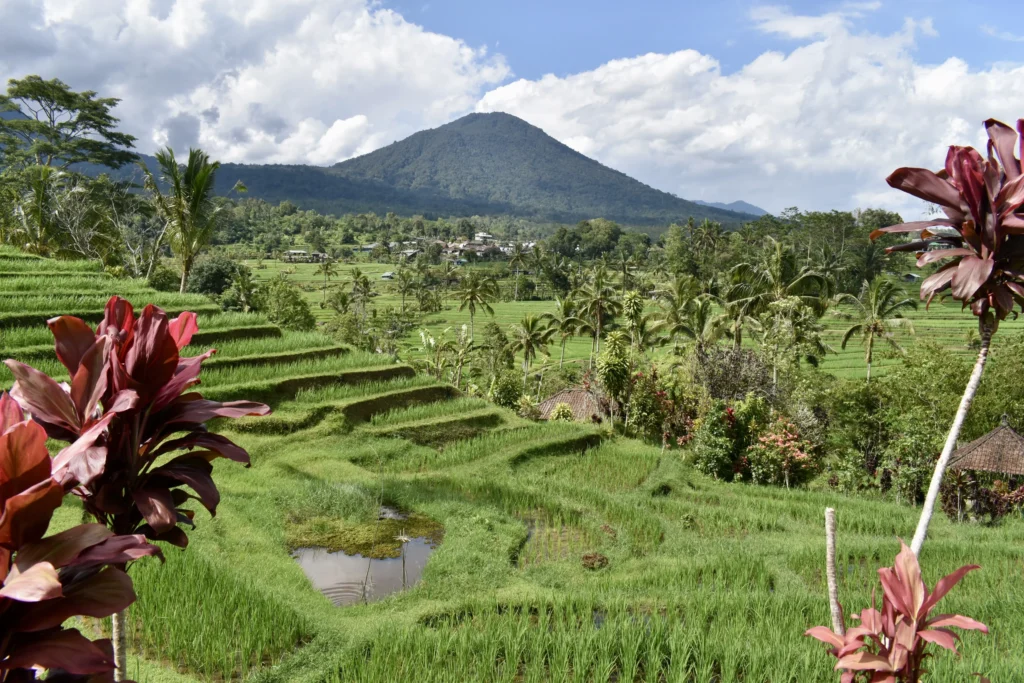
476 406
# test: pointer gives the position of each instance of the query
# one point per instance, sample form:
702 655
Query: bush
712 450
507 389
282 303
780 458
163 279
213 276
562 413
527 409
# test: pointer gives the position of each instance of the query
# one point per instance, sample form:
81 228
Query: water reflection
350 579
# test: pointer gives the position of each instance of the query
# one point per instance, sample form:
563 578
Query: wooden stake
830 572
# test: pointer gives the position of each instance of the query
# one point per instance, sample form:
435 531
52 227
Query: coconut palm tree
517 260
362 290
777 276
530 337
600 305
189 209
405 284
564 322
476 291
878 312
328 269
696 319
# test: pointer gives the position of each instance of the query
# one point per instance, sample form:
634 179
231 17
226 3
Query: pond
351 579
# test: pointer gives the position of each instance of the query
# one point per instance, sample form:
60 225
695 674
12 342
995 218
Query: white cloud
284 81
820 126
1001 35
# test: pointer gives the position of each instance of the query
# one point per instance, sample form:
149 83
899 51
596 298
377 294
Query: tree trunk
561 358
986 330
184 277
838 625
516 295
120 638
471 333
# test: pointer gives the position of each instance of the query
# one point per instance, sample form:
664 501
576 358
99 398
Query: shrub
891 644
163 279
562 413
780 458
507 389
283 304
213 276
712 449
527 408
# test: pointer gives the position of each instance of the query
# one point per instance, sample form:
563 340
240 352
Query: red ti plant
981 238
889 646
47 580
130 393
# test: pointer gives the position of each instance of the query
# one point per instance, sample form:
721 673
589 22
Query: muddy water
351 579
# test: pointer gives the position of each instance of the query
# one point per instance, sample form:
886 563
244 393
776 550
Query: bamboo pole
830 572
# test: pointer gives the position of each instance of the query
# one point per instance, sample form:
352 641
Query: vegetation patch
378 539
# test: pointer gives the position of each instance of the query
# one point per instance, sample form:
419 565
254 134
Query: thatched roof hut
583 404
1001 451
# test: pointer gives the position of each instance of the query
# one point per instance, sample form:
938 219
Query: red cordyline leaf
982 199
891 643
145 396
46 581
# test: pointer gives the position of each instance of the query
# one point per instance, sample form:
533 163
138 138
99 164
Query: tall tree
530 337
981 199
565 323
777 276
600 305
476 291
328 269
517 259
188 209
405 284
878 312
55 126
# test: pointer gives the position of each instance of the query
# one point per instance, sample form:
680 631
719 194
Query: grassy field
943 324
703 581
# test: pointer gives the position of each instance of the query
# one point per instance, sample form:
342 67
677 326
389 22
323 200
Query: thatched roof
583 404
1001 450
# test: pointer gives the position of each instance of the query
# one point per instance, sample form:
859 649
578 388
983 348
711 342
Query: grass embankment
704 581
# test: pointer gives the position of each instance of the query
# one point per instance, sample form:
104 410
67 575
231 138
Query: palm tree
696 319
447 273
189 209
530 336
737 314
564 322
878 311
362 290
34 208
476 290
517 260
775 277
600 305
328 269
633 311
405 284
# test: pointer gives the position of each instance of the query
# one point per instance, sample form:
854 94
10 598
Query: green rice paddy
703 581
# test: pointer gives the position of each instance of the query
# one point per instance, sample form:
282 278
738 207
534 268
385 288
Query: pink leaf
182 328
72 339
39 582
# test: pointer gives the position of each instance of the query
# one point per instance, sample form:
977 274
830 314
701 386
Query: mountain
740 206
480 164
502 161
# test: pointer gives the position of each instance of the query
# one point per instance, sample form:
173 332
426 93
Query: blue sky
780 104
568 36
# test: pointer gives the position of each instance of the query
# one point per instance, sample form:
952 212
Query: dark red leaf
117 550
65 649
97 595
969 276
153 356
10 412
72 339
39 582
157 507
214 442
913 226
24 460
195 473
41 396
182 328
925 185
89 382
1004 140
937 254
185 375
25 516
62 548
193 408
83 460
118 322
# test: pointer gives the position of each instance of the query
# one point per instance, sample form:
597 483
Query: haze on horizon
809 105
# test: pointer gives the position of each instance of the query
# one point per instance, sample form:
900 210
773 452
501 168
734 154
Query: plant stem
986 329
120 638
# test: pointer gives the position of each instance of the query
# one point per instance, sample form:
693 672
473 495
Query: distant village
483 245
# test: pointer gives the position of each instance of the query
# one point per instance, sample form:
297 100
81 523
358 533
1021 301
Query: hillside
739 206
502 161
481 164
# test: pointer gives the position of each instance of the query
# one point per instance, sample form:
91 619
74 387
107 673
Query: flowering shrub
779 457
721 438
890 646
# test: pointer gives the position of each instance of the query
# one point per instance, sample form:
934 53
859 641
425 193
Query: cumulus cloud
819 126
284 81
